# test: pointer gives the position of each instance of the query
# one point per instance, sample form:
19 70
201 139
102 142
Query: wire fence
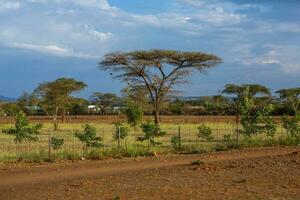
187 133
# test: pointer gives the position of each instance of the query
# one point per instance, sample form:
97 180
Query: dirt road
263 173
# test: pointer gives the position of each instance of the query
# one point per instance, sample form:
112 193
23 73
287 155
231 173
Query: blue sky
41 40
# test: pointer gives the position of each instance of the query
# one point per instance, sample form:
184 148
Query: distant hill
6 99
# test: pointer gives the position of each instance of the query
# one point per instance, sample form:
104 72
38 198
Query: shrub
89 137
57 143
151 132
176 143
205 132
121 131
23 130
134 114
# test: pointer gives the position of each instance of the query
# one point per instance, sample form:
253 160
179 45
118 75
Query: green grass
73 149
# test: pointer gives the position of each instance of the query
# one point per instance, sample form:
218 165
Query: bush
151 132
176 143
88 137
205 132
57 143
134 114
121 131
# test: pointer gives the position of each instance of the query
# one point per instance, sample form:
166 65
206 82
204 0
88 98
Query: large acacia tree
157 70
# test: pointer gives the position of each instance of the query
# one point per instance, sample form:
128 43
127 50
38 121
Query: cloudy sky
41 40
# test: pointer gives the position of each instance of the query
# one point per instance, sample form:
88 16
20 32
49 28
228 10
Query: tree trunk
237 127
63 116
55 118
156 116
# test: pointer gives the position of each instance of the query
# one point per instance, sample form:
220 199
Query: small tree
205 132
151 132
23 130
57 143
121 132
237 92
291 126
89 137
255 120
134 114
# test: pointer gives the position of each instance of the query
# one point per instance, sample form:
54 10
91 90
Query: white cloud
51 49
286 56
9 5
102 4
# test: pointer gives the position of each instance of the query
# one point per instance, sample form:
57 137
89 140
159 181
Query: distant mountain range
7 99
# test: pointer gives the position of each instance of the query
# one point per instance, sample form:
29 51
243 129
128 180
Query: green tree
11 109
290 124
134 114
237 92
157 70
23 130
291 97
89 137
121 132
205 132
255 120
57 143
177 107
56 96
105 101
137 96
26 102
151 132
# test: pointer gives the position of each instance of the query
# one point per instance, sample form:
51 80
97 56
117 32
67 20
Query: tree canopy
292 96
56 95
157 70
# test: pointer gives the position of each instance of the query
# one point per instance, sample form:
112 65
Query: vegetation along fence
183 137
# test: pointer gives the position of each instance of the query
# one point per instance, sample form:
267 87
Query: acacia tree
56 96
104 101
237 91
157 70
290 96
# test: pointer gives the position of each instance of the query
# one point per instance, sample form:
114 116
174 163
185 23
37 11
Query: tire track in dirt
57 174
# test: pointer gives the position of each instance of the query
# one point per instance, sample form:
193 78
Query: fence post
179 138
119 136
49 145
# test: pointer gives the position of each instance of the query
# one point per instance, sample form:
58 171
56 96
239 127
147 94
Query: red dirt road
263 173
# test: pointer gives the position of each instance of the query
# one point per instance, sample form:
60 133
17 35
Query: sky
42 40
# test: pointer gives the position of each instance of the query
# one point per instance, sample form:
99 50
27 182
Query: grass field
73 147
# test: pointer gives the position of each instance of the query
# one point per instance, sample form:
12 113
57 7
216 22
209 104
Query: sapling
89 137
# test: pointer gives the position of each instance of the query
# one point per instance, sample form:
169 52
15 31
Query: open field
256 173
168 119
73 149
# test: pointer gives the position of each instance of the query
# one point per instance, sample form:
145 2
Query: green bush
57 143
89 137
151 132
121 131
205 132
176 143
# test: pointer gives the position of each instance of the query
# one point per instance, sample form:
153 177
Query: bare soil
257 173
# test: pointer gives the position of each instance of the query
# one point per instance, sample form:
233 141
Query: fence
188 136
